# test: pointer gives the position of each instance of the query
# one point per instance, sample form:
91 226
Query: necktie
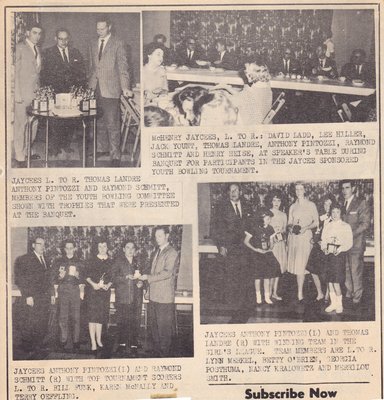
43 262
322 63
101 49
35 50
345 205
285 66
155 259
65 56
237 210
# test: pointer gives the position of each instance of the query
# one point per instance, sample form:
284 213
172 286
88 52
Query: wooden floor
217 308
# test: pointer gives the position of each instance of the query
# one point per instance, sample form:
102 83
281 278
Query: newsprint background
180 166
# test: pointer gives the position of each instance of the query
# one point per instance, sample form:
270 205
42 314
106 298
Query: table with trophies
63 107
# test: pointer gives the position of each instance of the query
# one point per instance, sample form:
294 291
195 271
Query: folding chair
130 118
276 107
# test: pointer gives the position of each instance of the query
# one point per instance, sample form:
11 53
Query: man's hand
223 251
144 277
127 93
29 301
130 277
53 300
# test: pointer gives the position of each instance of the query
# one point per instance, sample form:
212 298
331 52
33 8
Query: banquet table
279 82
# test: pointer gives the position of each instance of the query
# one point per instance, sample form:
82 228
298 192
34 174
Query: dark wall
82 27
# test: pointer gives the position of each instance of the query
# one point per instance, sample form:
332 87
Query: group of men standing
228 227
61 67
63 284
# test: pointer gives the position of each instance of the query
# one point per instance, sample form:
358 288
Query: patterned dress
279 224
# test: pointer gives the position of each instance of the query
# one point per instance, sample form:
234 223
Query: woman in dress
316 259
255 100
98 293
153 74
259 237
303 217
279 224
336 240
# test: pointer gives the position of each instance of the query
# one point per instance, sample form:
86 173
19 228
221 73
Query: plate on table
357 82
183 68
306 79
170 67
202 63
219 70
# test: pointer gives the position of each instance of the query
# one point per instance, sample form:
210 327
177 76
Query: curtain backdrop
268 31
85 238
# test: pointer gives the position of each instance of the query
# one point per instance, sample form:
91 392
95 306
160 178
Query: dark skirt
265 265
335 268
98 302
316 261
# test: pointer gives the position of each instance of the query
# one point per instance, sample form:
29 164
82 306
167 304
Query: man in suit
223 58
189 53
129 297
357 215
67 276
63 67
323 65
228 227
109 76
32 279
27 81
358 68
162 280
287 64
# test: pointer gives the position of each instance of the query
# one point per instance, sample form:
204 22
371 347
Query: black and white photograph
286 251
102 292
75 90
251 67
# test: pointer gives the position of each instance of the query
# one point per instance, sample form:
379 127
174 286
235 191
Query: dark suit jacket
162 278
125 289
111 72
228 62
62 75
329 63
294 66
367 73
31 277
358 216
182 57
227 227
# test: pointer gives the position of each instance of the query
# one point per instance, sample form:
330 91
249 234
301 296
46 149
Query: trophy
333 246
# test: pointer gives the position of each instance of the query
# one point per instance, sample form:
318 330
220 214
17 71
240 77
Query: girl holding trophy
336 240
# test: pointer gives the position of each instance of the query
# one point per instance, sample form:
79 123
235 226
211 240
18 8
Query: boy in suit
109 76
27 81
162 278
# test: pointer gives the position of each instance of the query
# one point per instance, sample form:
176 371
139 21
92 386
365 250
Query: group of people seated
69 280
207 104
326 240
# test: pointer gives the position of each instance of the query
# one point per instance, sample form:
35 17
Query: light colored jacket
163 274
27 73
111 72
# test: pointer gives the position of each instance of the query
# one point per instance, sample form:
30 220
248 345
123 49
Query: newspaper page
192 200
